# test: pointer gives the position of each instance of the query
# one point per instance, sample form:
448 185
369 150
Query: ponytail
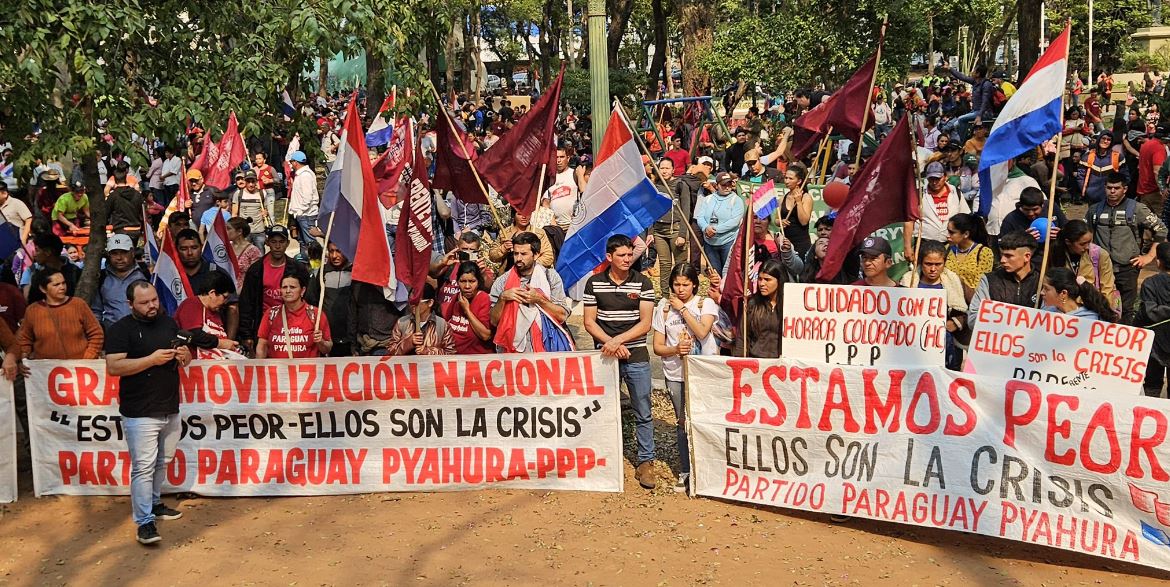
1063 279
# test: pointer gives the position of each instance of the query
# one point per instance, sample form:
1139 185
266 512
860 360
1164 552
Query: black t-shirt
155 391
619 307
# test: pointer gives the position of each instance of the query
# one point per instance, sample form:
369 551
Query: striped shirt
618 307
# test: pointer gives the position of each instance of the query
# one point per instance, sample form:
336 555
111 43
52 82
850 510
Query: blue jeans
717 255
152 443
678 392
305 223
637 379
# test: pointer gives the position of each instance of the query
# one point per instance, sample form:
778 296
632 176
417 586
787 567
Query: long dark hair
971 224
759 309
683 270
1072 232
470 267
1063 279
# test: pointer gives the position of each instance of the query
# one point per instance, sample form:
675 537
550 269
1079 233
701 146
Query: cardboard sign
854 325
1055 348
7 443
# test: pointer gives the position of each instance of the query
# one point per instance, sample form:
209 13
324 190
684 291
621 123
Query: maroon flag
512 165
219 159
733 293
388 167
453 159
884 192
842 112
415 237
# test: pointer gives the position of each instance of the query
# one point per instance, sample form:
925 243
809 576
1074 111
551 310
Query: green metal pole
598 71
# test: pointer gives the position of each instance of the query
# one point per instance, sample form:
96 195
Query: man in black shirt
619 306
190 248
145 351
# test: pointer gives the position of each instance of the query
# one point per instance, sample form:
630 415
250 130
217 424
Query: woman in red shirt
294 329
468 314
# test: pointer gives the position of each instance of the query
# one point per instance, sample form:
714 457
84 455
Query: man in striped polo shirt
619 304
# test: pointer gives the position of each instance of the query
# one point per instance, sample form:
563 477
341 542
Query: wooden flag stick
321 276
745 227
466 155
1051 205
877 62
669 192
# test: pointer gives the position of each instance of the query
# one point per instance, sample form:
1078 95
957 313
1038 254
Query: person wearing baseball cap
260 291
109 303
876 259
940 202
71 212
202 195
303 198
718 217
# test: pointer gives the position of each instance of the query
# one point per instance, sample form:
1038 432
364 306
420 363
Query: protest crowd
257 259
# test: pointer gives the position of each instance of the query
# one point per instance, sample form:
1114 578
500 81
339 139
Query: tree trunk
476 55
469 85
570 51
449 58
375 84
658 62
930 45
1029 34
619 18
99 214
323 76
698 21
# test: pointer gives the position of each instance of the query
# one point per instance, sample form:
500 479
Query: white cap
119 242
705 160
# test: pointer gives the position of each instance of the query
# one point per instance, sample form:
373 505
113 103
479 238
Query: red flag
512 165
884 192
388 167
219 159
842 112
453 159
732 293
415 237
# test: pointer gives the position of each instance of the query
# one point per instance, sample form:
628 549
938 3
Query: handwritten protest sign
930 447
336 426
1038 345
852 325
7 443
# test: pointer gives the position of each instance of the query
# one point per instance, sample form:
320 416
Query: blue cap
299 157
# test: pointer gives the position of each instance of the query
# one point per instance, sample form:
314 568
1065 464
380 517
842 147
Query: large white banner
930 447
1038 345
7 443
854 325
334 426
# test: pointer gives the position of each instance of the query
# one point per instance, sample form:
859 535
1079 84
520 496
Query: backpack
1114 296
1130 211
998 99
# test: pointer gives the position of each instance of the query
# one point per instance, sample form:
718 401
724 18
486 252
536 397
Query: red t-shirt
192 315
450 288
1150 158
299 339
12 305
266 175
272 277
466 342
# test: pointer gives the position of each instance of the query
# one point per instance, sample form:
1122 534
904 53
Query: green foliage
1141 61
626 85
1113 23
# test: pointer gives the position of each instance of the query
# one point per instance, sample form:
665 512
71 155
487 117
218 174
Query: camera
182 338
468 256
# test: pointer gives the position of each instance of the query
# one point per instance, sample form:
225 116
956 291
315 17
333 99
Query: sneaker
148 533
839 519
645 475
680 486
162 512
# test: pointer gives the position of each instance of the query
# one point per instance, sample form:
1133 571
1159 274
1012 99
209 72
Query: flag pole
669 192
540 185
467 156
877 62
917 184
745 227
321 275
1052 191
824 153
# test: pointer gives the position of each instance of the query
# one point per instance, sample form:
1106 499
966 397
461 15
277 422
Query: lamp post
598 71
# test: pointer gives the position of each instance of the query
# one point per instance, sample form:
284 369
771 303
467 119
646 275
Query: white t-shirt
935 217
563 193
172 168
670 323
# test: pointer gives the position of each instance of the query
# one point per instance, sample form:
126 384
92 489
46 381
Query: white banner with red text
1058 349
7 443
346 425
925 446
855 325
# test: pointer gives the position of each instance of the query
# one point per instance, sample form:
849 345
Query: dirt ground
504 537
